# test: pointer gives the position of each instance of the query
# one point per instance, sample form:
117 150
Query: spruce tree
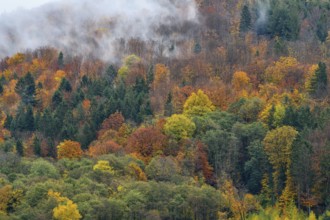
65 85
29 119
197 48
245 23
57 98
60 61
36 146
284 22
19 148
111 74
26 88
321 74
168 105
150 75
8 122
322 28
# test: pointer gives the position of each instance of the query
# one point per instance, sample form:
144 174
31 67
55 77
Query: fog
94 27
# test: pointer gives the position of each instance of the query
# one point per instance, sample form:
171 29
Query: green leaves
198 104
179 127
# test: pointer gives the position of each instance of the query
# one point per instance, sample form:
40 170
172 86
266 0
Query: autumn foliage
106 147
69 149
147 142
66 209
114 122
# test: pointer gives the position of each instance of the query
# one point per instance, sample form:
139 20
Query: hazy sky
11 5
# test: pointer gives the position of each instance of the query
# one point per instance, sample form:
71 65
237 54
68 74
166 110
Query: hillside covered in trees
225 115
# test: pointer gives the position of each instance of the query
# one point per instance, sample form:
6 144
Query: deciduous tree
66 208
179 127
69 149
198 104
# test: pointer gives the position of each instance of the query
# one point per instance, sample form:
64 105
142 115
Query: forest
231 121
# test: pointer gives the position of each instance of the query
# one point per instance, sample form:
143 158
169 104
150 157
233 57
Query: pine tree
36 146
245 23
111 74
284 22
168 105
60 61
197 48
150 75
321 74
322 28
20 148
319 81
8 122
30 89
57 98
65 85
19 122
26 88
29 119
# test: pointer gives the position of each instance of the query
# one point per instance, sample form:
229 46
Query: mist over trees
165 110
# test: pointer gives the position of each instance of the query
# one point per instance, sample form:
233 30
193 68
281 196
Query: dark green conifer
245 23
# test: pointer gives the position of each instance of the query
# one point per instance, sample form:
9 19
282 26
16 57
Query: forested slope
228 119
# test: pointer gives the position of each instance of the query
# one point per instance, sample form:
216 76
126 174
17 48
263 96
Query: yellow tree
16 59
9 198
240 206
128 61
285 72
198 104
278 147
69 149
179 127
160 88
240 81
310 76
273 115
103 166
66 209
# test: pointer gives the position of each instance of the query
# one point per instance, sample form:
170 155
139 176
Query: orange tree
69 149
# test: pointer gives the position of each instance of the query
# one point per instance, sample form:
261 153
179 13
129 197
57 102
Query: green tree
26 88
197 48
322 27
57 98
284 21
110 74
36 146
8 121
179 127
150 75
65 85
319 80
245 23
278 147
86 135
136 202
322 76
19 148
162 168
255 167
29 119
198 104
168 105
223 151
60 60
43 168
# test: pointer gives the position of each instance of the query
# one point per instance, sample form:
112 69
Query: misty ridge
101 28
